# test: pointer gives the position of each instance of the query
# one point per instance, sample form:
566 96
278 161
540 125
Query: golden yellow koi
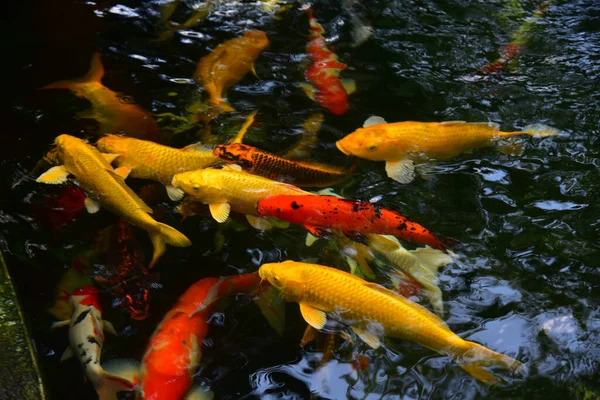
303 147
114 113
228 64
400 144
372 309
107 188
149 160
232 189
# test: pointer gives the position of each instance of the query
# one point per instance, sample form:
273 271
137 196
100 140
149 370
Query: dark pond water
527 279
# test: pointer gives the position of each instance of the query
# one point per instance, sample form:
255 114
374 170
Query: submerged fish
173 353
113 112
86 337
228 64
400 144
321 213
229 189
302 149
372 310
149 160
325 86
106 187
300 173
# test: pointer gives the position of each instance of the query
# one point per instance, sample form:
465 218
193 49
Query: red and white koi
86 337
325 86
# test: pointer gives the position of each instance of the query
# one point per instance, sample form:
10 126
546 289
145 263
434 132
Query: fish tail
541 130
163 235
242 132
117 376
94 74
477 358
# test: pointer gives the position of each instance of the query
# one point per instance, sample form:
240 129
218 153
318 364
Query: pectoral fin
91 206
175 194
310 335
317 231
54 176
108 327
402 171
373 120
349 85
109 157
220 211
310 239
253 69
123 171
308 89
259 223
312 316
367 337
59 324
67 354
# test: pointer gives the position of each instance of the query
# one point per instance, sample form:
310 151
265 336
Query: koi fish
400 144
303 147
325 86
372 310
114 113
230 189
106 187
228 64
149 160
321 213
172 355
300 173
86 338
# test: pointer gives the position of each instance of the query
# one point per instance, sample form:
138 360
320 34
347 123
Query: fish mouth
341 148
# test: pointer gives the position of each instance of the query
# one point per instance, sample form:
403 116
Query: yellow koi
372 309
400 144
107 188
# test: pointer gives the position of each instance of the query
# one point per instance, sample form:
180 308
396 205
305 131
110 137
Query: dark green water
527 227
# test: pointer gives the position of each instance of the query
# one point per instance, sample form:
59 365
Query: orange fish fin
310 335
123 171
317 231
314 317
477 357
110 157
94 74
54 176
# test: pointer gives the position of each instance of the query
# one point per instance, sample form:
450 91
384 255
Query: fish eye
196 188
372 147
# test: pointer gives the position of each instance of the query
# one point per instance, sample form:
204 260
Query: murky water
526 227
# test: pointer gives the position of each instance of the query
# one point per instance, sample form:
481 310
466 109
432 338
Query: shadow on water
527 226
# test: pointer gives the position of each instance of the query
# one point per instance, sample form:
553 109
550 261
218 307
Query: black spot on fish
81 317
278 210
83 354
92 339
355 207
402 226
80 345
295 205
413 228
377 209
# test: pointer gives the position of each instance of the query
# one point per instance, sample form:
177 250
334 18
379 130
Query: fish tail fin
431 258
242 132
163 235
361 33
94 74
477 358
117 376
541 130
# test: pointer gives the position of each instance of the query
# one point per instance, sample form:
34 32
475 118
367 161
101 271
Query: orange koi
299 173
320 213
325 86
114 113
174 350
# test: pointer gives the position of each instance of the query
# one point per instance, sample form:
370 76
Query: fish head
112 144
284 277
86 296
258 38
191 182
63 143
368 143
235 153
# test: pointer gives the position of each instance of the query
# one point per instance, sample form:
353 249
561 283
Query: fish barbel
228 64
106 187
300 173
318 213
229 189
371 309
400 144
